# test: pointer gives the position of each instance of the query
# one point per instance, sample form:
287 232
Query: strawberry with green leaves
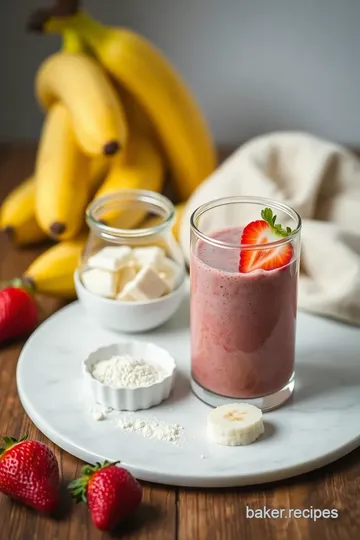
29 472
19 314
111 493
264 231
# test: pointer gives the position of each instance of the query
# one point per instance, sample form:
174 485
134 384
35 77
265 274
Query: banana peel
52 273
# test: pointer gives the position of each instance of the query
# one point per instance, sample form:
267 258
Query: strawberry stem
11 441
27 285
18 283
78 487
267 215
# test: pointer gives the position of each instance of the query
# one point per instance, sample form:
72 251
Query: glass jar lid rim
142 195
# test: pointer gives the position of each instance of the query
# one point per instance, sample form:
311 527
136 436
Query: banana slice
235 424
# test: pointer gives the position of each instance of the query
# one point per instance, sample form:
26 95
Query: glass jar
133 218
242 323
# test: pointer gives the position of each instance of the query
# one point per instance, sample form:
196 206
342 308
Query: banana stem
89 30
92 30
72 42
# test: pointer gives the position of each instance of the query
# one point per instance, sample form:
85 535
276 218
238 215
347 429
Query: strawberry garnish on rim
264 231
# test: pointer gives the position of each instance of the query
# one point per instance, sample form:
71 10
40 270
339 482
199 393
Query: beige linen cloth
320 180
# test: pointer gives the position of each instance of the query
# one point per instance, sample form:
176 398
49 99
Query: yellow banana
52 272
62 177
179 212
155 220
143 169
151 79
80 83
99 168
17 215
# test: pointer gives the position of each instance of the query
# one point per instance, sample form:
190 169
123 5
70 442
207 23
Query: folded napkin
320 180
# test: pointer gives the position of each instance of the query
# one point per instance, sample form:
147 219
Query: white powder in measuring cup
128 372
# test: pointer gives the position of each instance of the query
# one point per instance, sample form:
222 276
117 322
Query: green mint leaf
267 215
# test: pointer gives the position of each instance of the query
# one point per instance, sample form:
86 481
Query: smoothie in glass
243 320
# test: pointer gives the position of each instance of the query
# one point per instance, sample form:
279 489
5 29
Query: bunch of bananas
118 116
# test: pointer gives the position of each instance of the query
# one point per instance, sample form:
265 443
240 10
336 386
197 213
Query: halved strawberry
264 231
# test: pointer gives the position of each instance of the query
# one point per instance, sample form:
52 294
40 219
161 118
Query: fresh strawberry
111 492
18 311
29 472
264 231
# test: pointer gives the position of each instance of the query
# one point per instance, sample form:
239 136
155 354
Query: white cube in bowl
131 398
124 316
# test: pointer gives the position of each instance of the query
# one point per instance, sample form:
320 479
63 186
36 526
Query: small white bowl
130 399
130 317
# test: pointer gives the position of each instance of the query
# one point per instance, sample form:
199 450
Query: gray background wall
254 65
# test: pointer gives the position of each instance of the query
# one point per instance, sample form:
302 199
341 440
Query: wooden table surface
167 513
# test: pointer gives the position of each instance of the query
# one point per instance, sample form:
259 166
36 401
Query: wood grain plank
156 519
192 514
220 514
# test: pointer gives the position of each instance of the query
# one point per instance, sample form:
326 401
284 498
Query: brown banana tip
62 8
9 231
57 228
102 221
110 148
36 21
28 282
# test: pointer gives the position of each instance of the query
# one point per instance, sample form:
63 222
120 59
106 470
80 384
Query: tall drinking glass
243 320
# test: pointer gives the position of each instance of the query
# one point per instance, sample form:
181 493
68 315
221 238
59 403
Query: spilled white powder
128 372
99 414
153 429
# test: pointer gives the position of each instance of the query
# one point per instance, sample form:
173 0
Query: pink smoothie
242 325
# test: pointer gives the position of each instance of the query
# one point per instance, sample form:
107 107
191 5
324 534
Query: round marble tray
319 425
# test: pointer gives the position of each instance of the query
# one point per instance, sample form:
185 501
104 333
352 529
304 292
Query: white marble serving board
319 425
